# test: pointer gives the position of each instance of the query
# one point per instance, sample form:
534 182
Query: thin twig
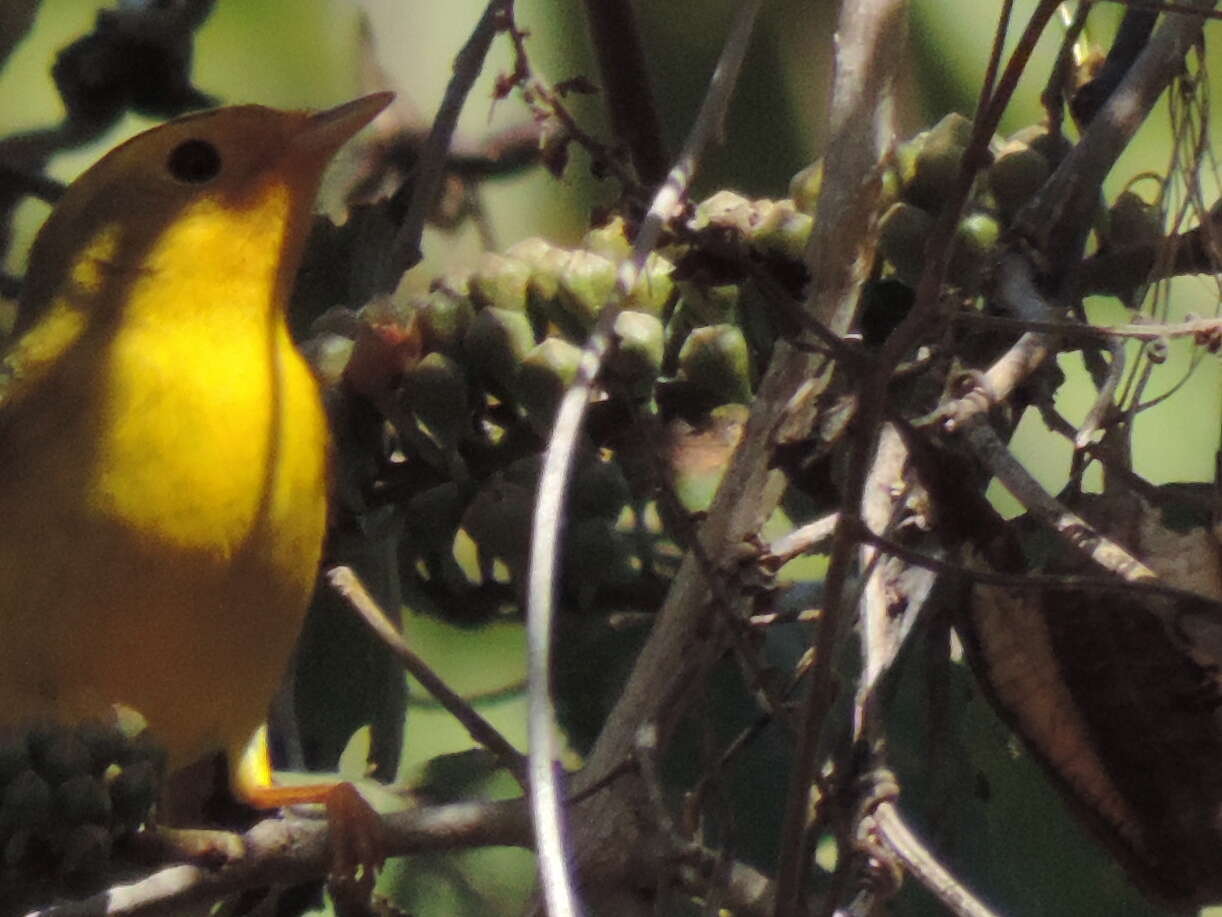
982 391
745 891
839 257
553 481
345 581
1034 581
992 453
917 859
46 189
548 102
889 608
806 539
1104 399
1193 327
431 167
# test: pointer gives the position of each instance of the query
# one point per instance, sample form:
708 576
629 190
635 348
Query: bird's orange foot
357 844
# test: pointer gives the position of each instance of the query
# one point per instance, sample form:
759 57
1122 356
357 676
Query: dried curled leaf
1119 693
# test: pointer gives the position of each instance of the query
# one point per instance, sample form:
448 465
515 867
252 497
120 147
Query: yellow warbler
162 443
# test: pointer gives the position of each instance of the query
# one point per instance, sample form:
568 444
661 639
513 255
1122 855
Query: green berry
599 490
1131 220
654 290
83 798
902 235
495 344
26 802
133 791
444 318
609 241
804 187
86 851
59 754
930 161
780 230
545 373
975 246
585 287
499 282
436 389
637 357
715 359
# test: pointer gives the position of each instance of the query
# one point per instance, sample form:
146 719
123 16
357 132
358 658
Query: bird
164 454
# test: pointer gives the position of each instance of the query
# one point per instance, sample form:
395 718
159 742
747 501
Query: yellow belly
160 530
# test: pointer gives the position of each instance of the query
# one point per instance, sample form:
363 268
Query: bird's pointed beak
326 131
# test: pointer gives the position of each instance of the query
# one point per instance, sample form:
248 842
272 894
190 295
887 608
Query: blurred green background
1018 847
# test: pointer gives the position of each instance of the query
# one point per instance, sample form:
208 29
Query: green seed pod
328 355
1018 172
930 161
902 235
1052 147
499 282
495 344
26 802
715 359
547 264
14 754
600 490
725 208
892 187
1131 220
544 375
975 245
143 747
83 799
436 389
757 316
702 304
498 520
444 318
86 851
654 290
804 187
585 287
433 516
133 791
106 744
533 251
781 231
637 357
596 556
609 241
60 754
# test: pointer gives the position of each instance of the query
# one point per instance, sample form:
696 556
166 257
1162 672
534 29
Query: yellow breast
163 448
164 503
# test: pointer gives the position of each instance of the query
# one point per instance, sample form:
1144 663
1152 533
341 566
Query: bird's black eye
194 161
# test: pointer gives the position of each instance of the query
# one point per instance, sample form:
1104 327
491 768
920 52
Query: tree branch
294 849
